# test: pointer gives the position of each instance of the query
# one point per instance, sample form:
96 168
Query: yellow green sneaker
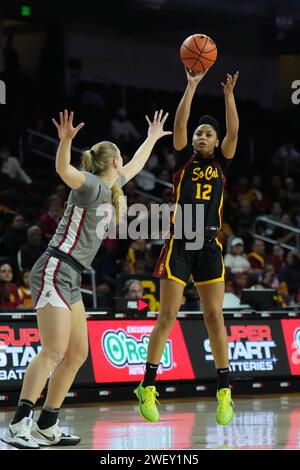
147 402
224 413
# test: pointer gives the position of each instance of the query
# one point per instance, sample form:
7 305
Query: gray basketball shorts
53 281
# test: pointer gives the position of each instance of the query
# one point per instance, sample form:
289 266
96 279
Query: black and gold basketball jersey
199 180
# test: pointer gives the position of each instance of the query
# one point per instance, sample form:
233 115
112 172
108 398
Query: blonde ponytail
87 161
97 160
119 201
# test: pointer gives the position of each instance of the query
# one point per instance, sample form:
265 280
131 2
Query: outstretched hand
228 87
194 78
156 126
65 129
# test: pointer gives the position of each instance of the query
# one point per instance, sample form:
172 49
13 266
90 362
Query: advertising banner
119 351
255 348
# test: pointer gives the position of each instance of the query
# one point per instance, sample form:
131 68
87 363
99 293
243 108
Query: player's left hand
228 87
156 126
65 129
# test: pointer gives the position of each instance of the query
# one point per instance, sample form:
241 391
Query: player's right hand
65 129
194 78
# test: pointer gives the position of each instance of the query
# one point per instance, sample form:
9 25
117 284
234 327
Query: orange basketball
198 52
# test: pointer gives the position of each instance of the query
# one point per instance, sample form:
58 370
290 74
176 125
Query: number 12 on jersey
203 192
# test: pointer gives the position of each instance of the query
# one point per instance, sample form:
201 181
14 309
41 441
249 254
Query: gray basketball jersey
79 231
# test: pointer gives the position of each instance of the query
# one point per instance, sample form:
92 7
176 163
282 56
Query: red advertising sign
291 332
119 351
19 344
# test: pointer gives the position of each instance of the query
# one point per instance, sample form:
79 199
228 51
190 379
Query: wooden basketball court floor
260 422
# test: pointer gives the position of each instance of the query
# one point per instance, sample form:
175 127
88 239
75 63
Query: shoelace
150 396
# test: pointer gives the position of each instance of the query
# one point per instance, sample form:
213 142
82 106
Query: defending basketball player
56 276
199 178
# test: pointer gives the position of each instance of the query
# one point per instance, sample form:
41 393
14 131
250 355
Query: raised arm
66 132
184 109
232 119
155 132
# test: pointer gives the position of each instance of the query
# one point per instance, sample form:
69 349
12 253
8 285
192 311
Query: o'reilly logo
123 350
2 92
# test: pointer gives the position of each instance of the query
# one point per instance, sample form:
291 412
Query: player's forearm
232 118
184 107
142 154
63 155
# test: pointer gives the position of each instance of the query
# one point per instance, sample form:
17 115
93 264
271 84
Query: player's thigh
171 293
211 297
54 325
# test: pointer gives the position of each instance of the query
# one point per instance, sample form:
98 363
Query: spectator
277 257
15 236
240 283
257 257
236 261
49 219
290 273
268 279
9 296
123 130
24 290
133 289
136 251
32 250
245 212
11 167
270 269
